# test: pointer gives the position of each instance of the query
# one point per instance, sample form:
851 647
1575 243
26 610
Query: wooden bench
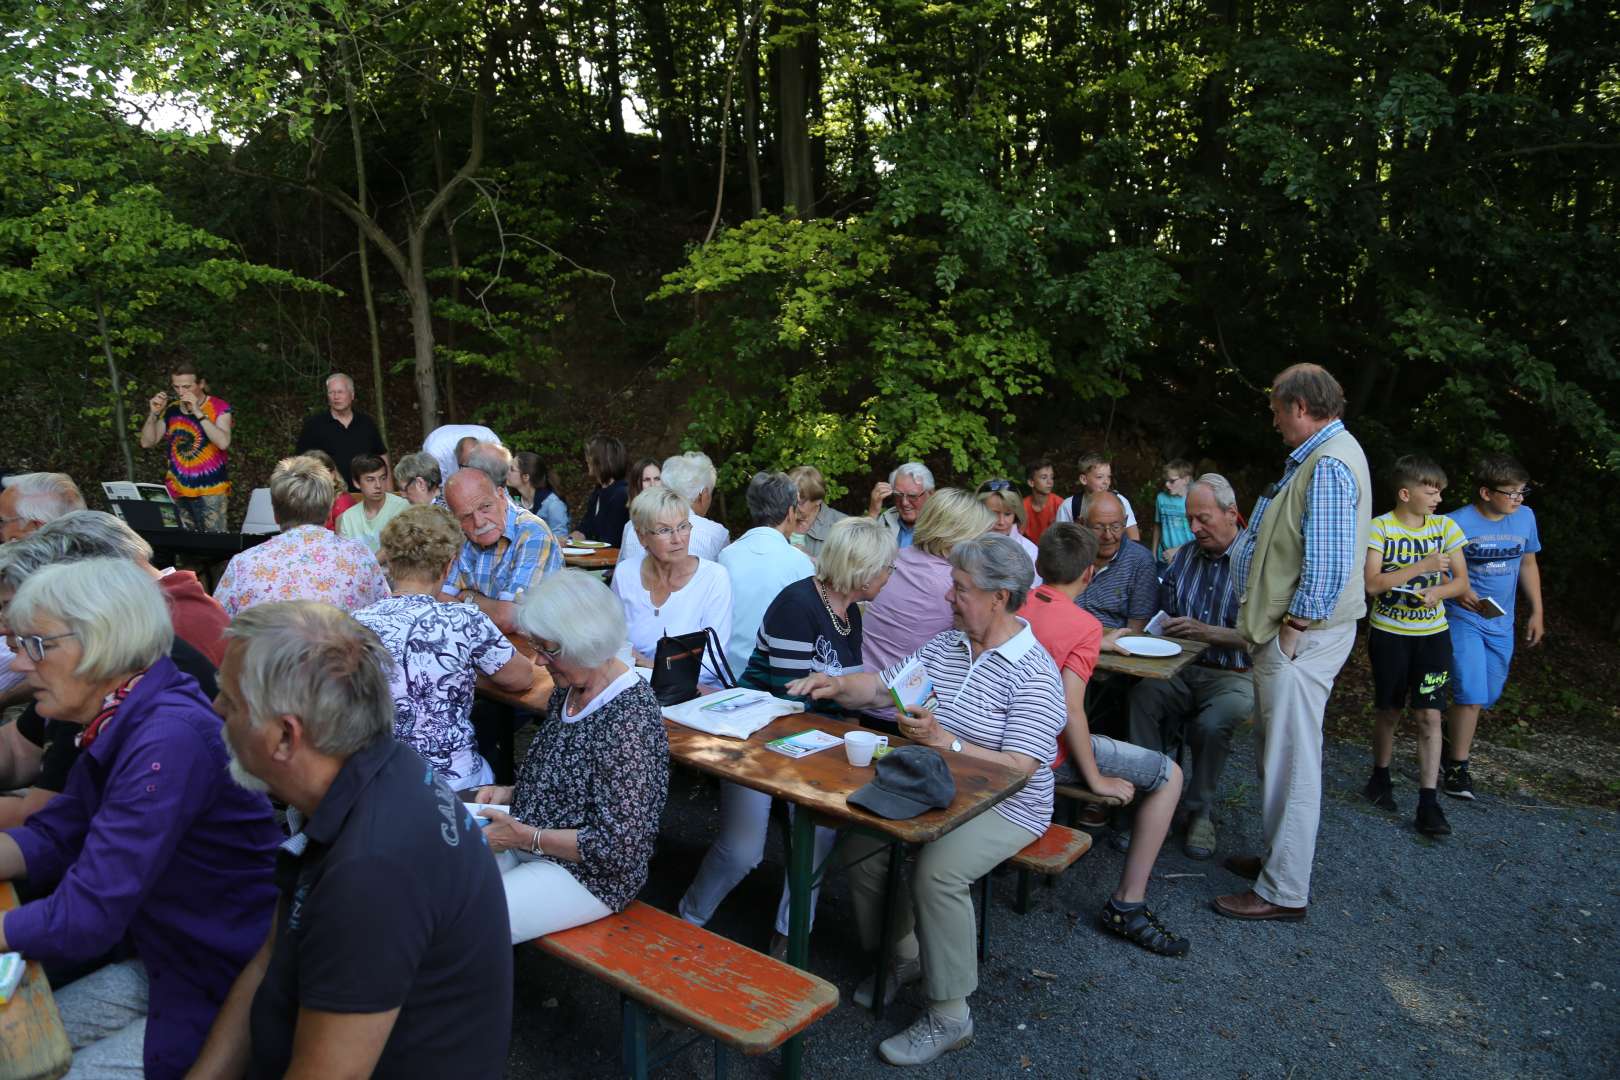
723 991
1057 850
1076 795
33 1045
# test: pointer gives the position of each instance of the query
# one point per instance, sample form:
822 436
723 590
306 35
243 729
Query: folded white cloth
742 712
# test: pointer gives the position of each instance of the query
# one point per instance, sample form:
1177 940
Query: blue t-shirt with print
1494 551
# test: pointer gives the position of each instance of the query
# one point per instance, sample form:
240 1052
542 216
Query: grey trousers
1204 704
104 1015
1290 696
939 904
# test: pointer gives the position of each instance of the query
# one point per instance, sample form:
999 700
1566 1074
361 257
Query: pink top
909 612
303 563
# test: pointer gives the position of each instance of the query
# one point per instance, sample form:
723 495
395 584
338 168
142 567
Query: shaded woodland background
831 231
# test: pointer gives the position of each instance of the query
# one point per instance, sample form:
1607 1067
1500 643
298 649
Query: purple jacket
154 846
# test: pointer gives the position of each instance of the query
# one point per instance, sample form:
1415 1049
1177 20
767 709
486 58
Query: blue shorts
1479 663
1147 770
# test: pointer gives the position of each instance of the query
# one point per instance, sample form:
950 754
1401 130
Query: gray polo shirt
1127 588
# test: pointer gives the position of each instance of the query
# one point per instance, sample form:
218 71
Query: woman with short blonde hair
813 625
1001 498
913 608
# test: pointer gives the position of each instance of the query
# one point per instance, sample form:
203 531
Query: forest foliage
832 231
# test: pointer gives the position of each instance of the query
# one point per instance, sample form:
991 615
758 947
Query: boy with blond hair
1170 528
1414 562
1097 476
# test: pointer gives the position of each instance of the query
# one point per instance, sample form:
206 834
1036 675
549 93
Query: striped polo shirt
1198 585
1007 698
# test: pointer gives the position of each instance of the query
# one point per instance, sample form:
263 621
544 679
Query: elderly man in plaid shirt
1299 568
508 550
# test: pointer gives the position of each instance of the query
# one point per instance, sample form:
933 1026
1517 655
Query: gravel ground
1491 953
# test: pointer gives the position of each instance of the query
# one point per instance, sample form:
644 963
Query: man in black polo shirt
342 430
389 953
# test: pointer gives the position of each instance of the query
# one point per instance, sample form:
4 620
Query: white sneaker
901 972
930 1037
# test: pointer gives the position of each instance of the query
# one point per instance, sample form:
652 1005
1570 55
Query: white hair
1219 487
314 661
44 496
301 492
654 503
83 534
689 474
492 459
340 375
579 613
112 606
917 471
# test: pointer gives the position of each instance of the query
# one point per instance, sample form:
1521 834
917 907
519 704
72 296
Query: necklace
840 625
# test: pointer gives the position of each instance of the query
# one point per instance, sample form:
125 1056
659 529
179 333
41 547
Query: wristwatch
956 745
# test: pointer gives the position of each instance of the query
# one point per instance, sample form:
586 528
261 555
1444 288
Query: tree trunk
454 410
792 96
120 421
615 83
750 124
379 404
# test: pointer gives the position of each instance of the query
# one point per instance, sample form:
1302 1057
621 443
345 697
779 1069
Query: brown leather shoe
1252 906
1244 866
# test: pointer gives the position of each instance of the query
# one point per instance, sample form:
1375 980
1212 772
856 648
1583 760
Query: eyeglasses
34 645
910 497
664 532
1520 494
997 485
1116 529
546 652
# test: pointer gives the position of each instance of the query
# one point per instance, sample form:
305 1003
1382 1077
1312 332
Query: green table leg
801 874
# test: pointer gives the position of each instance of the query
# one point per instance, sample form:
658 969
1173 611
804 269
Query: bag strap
721 669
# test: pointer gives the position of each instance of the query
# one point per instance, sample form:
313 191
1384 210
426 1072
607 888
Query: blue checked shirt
525 553
1330 530
1198 585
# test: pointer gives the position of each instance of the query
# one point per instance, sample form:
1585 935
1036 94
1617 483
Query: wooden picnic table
1152 667
598 559
33 1045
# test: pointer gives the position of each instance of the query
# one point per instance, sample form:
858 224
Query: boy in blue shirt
1501 548
1170 528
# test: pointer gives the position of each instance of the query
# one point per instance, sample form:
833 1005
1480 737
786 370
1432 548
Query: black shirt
323 432
57 736
605 514
391 899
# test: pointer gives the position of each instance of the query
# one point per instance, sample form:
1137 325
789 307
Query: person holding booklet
813 626
999 699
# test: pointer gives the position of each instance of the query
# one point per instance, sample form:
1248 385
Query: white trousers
104 1015
542 897
1289 699
745 819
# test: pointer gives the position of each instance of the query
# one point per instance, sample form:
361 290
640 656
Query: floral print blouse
303 563
605 773
439 650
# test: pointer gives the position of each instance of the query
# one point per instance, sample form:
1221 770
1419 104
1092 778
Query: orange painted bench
1059 848
724 991
33 1045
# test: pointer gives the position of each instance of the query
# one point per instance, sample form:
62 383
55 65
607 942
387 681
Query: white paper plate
590 543
578 551
1149 646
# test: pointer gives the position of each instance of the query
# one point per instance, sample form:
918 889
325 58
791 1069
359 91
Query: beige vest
1279 550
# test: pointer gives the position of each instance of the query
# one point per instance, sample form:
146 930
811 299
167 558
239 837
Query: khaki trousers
1289 698
939 905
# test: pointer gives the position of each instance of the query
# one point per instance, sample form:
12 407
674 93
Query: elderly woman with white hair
1000 699
670 591
813 625
151 845
417 477
691 476
585 808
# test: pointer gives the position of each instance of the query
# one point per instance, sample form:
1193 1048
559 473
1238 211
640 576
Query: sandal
1144 928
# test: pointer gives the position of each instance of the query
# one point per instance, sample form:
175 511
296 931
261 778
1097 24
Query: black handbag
679 661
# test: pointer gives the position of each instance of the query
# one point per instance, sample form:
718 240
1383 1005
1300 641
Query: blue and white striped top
1007 698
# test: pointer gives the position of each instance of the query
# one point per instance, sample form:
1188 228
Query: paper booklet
804 743
1156 625
911 688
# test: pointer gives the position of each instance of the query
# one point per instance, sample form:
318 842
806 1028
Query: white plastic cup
859 746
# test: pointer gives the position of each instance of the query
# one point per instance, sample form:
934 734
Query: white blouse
705 601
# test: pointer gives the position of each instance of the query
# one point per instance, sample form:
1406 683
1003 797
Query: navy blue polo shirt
1127 588
390 898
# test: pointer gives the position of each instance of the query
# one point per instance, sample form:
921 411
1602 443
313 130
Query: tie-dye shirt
196 466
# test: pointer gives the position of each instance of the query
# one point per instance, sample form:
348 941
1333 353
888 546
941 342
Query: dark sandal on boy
1144 928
